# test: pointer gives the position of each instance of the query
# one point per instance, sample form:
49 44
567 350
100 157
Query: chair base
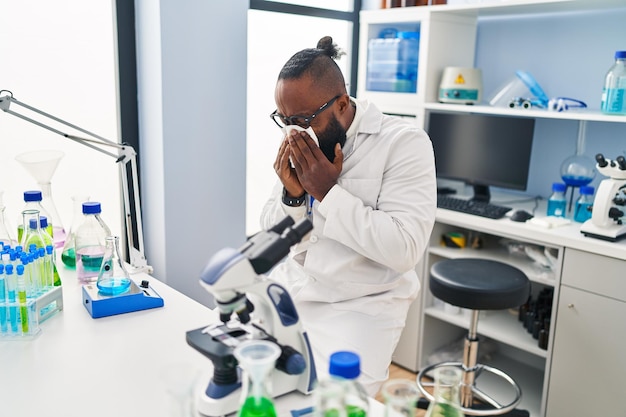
497 408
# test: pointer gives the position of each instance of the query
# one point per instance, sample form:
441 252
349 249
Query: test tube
11 284
3 308
21 295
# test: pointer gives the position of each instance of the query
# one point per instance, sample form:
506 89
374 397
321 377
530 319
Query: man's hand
316 174
286 172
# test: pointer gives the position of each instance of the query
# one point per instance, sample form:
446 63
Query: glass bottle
582 212
257 359
447 401
113 279
6 236
344 370
49 255
68 256
557 203
32 200
32 239
614 92
90 242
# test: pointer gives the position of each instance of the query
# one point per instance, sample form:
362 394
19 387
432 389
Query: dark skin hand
312 171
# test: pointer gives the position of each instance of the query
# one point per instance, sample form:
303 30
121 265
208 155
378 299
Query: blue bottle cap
91 207
8 269
2 269
587 190
41 252
559 186
345 364
620 54
33 195
43 222
49 249
33 223
408 35
20 269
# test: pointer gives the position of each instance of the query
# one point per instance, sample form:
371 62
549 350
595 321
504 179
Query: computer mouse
521 216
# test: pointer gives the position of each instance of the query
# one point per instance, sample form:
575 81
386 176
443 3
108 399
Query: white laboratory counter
120 365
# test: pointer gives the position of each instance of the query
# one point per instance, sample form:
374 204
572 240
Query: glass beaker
400 396
447 401
68 256
42 165
257 359
113 279
6 237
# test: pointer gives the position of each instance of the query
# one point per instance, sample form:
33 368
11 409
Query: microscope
252 307
608 207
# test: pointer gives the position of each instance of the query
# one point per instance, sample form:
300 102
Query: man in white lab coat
370 191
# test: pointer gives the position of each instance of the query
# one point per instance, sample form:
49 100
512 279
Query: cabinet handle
570 305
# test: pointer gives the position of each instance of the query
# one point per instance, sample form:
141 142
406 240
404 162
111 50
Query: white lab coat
358 275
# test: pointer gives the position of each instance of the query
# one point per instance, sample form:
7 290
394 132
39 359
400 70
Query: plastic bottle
582 211
614 92
557 203
446 393
342 389
32 200
113 279
90 241
68 256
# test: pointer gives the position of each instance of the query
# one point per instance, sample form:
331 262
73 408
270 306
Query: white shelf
501 326
587 115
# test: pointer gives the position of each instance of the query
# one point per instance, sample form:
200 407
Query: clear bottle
557 203
68 256
113 278
447 401
614 92
344 369
50 258
582 211
32 200
90 242
257 358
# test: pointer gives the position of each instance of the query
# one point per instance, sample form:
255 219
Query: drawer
596 273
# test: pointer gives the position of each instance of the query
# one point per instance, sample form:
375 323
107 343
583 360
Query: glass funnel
257 359
41 165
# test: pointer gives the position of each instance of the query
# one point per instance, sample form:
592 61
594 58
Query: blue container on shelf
392 61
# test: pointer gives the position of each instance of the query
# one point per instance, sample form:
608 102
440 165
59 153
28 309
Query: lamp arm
125 155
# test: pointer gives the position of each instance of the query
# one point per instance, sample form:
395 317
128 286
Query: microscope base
611 233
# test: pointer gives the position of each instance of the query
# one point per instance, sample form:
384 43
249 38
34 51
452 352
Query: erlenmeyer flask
447 401
113 279
42 165
6 237
257 359
68 256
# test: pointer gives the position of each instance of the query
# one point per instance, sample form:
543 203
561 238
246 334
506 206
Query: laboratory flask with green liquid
257 359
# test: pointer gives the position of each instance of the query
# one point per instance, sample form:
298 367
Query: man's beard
333 134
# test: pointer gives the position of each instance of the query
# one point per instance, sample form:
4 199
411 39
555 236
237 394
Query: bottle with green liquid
257 359
68 256
32 200
342 394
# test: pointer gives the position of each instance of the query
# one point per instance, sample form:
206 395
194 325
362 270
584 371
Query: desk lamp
123 153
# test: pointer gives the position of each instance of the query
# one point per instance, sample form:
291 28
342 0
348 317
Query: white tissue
287 130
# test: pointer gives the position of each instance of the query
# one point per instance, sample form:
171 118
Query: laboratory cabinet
591 311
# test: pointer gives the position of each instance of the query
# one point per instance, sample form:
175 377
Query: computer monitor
482 150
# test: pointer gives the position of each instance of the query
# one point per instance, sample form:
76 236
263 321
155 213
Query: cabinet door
589 357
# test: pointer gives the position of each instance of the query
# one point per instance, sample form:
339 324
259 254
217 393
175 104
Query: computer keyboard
478 208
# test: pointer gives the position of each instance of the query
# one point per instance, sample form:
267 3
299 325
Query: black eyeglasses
302 121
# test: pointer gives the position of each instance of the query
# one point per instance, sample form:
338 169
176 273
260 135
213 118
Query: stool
477 284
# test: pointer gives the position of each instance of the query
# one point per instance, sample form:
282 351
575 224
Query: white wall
60 58
192 120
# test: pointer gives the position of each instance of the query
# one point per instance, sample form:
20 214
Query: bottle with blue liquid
582 211
90 242
557 203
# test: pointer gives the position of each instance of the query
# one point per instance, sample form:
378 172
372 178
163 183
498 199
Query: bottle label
614 100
